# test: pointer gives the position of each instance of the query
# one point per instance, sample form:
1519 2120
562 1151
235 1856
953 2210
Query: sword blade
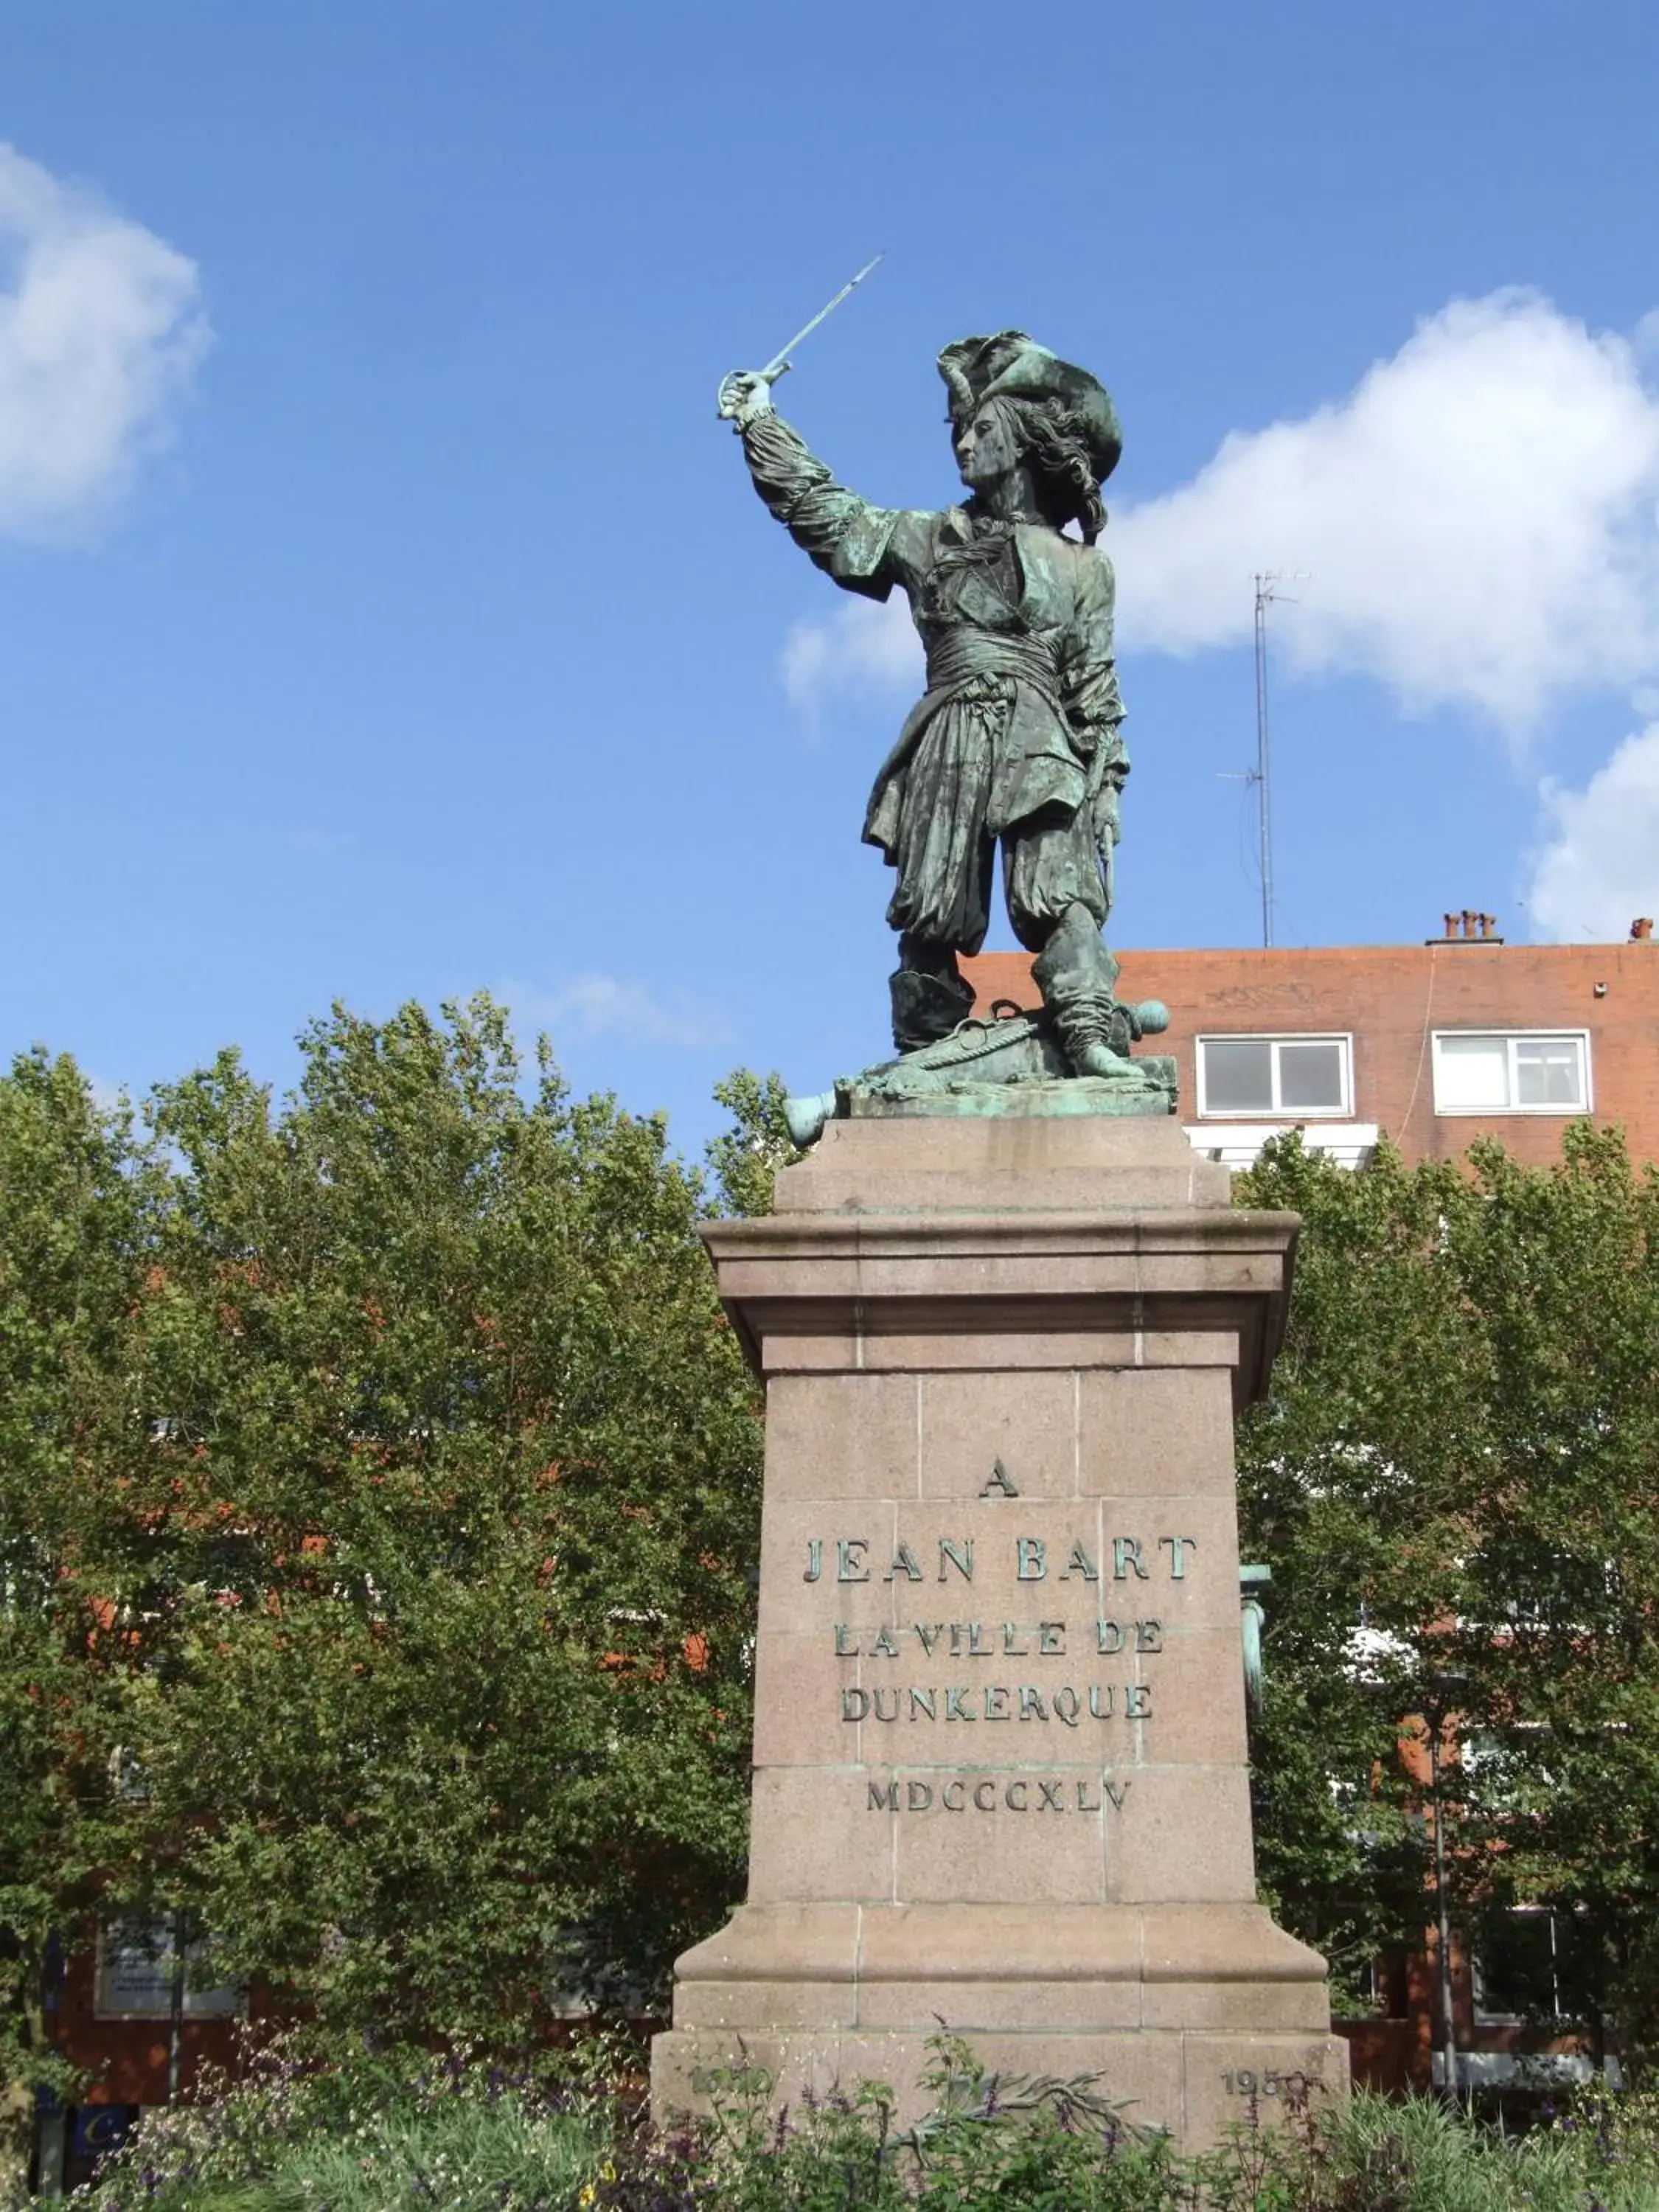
779 360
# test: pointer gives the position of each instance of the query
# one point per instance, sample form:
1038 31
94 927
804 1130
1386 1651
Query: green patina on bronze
1016 742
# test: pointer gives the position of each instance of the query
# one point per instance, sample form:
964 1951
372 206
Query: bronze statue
1017 740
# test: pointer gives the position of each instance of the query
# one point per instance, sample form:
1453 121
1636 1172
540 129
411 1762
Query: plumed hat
1012 366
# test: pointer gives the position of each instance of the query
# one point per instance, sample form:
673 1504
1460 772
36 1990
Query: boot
928 1003
1076 973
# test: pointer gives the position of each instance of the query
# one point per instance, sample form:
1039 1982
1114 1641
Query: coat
1020 721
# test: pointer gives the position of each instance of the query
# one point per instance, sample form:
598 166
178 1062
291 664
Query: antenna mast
1266 591
1262 774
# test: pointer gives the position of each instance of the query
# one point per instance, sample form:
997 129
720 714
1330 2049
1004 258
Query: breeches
945 854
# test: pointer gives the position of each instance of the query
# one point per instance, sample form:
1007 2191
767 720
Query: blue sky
386 615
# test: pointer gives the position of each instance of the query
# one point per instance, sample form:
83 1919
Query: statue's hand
744 396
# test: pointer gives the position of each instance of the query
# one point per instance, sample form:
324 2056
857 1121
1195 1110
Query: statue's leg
1076 975
941 906
1056 903
929 994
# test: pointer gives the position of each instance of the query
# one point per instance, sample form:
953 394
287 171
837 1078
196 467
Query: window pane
135 1973
1471 1072
136 1970
1238 1075
1515 1968
1310 1078
1547 1072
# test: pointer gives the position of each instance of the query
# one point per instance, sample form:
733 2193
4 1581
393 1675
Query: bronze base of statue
1008 1063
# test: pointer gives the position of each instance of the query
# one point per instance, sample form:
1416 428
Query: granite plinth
999 1748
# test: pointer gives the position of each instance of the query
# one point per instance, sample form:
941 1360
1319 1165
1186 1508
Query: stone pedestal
999 1744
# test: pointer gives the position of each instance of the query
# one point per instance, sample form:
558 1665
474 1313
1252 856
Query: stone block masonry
999 1754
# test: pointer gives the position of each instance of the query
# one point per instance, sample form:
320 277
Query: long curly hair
1062 466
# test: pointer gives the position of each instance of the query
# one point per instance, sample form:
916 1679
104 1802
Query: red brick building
1437 1043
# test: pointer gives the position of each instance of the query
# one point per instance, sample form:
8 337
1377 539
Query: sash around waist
1039 761
955 655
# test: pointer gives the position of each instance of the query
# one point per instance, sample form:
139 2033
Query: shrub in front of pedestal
1600 2153
387 2132
986 2141
380 2133
996 2141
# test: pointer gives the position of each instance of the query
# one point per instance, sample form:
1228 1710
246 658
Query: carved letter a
1000 1480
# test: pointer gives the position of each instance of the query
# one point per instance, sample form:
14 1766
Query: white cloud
100 332
594 1005
1601 866
1478 516
860 648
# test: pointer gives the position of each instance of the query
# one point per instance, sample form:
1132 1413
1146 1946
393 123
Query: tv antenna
1267 582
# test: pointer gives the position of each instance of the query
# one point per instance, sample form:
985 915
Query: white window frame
1291 1114
1510 1038
220 2001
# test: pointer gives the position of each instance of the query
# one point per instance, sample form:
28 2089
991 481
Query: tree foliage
745 1159
379 1491
379 1497
1455 1481
76 1197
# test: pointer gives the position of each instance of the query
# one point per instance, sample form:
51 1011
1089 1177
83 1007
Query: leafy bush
393 2132
985 2140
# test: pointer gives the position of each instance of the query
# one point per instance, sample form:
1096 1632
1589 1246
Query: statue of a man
1017 739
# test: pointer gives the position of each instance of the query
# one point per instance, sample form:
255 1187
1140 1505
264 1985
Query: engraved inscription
978 1639
1273 2081
1001 1793
971 1671
1069 1704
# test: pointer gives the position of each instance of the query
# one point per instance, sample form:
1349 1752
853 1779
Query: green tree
745 1159
389 1480
79 1206
1558 1624
1453 1480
